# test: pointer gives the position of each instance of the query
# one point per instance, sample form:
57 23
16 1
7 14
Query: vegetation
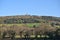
27 26
27 19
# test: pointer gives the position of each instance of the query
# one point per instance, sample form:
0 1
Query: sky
30 7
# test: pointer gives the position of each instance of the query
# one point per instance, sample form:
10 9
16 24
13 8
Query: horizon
31 7
26 15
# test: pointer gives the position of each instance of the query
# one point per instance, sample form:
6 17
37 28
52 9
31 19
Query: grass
31 24
26 24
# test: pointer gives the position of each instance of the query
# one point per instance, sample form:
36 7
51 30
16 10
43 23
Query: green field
26 24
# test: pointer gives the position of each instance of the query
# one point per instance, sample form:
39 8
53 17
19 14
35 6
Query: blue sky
32 7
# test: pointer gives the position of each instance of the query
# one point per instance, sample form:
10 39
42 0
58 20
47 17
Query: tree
11 34
57 34
4 34
0 35
52 24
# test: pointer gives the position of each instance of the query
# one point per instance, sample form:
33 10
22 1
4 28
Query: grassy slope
27 24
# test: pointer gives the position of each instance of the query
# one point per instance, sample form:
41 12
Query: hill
27 19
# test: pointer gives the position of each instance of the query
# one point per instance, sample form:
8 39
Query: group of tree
25 31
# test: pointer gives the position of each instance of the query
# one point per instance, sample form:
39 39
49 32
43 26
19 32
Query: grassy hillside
27 19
